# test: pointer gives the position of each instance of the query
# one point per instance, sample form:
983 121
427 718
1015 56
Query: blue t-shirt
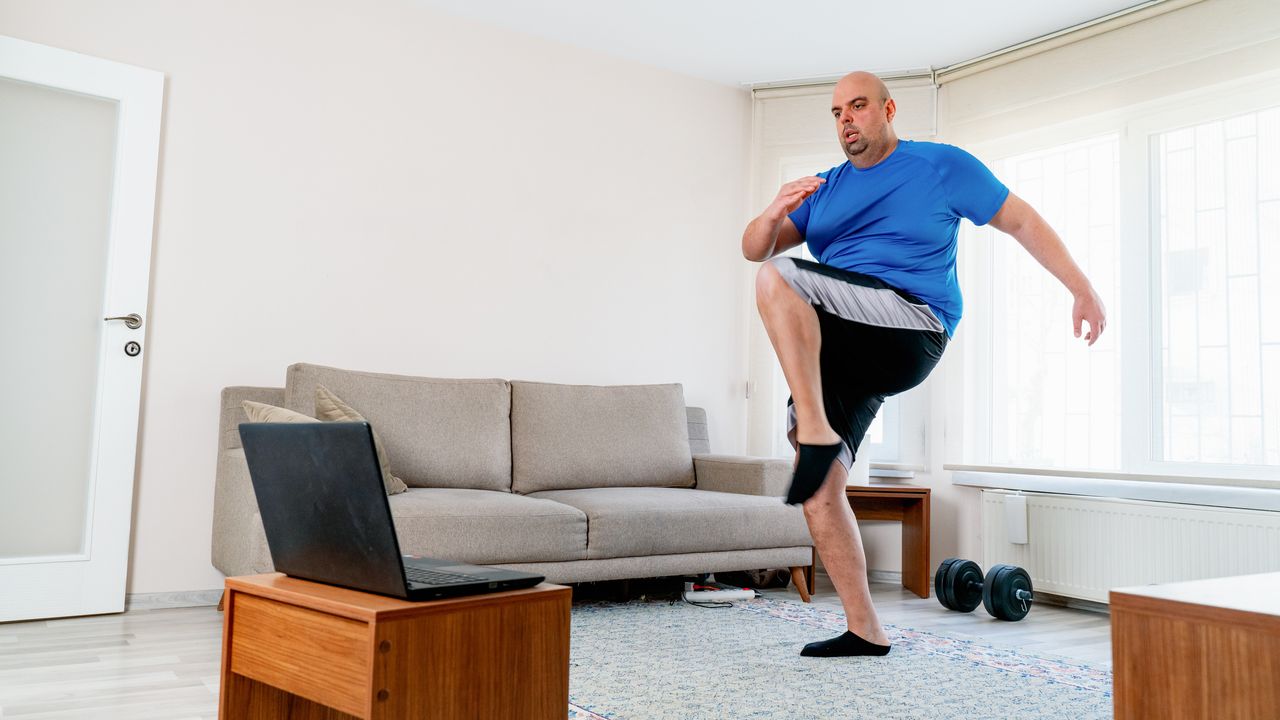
897 220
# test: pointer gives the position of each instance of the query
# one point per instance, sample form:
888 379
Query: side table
909 505
298 649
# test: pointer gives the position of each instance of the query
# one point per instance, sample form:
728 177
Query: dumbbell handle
1019 593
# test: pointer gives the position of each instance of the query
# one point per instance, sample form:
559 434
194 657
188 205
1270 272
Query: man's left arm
1020 220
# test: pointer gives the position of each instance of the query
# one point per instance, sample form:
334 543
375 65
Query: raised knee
768 282
829 499
819 506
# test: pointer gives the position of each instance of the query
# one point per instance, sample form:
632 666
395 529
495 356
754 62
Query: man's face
861 118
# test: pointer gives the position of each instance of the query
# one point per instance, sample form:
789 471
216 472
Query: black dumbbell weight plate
964 585
999 592
940 589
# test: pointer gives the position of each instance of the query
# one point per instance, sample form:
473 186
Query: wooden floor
152 664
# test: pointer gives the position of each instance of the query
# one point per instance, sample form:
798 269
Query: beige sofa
577 483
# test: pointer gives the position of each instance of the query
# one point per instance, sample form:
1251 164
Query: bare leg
793 329
836 535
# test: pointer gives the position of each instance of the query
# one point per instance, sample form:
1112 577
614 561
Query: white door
79 140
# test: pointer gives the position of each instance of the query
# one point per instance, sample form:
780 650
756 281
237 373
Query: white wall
378 186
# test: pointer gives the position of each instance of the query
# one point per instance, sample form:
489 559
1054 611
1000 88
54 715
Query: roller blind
1196 46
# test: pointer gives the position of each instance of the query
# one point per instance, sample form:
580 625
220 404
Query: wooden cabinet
1199 649
297 649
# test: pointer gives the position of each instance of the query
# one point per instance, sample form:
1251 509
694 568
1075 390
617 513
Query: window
1219 240
1053 400
1174 209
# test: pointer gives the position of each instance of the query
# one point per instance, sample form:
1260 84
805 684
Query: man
873 317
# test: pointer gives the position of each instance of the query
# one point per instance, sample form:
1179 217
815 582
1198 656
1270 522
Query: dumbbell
1005 592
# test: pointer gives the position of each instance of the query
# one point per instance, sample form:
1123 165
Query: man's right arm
766 237
773 232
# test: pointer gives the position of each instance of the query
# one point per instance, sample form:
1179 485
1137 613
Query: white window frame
1141 430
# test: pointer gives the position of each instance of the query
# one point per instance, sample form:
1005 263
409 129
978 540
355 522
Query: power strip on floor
728 595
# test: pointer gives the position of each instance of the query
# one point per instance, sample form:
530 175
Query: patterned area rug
664 661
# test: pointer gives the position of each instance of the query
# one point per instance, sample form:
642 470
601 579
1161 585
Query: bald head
863 111
864 83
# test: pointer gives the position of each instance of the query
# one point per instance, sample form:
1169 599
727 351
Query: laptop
327 519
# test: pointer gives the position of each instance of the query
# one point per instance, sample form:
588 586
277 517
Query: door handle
133 321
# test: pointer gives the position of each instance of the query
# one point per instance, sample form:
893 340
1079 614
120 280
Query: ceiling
739 42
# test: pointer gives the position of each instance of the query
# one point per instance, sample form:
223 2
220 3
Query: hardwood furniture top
367 607
1242 599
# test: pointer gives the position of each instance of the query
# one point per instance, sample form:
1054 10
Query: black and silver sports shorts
877 341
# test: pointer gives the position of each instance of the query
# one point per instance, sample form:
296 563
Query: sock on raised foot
812 468
847 645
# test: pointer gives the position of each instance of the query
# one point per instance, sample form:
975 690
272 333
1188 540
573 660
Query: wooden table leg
915 548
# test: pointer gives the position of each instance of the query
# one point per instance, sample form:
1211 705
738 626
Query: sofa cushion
628 522
484 526
438 432
582 436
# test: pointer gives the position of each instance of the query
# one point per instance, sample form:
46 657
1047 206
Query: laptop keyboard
436 577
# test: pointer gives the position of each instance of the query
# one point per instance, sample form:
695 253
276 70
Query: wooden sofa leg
222 599
801 582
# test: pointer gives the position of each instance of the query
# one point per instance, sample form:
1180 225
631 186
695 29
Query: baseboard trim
1072 603
876 576
159 601
884 576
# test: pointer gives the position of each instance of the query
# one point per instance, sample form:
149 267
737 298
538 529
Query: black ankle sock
847 645
812 468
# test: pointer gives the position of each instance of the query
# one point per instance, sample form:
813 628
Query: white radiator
1081 547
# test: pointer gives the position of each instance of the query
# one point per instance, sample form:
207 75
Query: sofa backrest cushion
438 432
582 436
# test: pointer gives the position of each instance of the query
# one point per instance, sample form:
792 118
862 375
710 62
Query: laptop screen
323 504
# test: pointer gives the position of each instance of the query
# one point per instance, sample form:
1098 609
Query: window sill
1186 493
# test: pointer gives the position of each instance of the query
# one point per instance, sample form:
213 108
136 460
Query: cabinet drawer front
311 654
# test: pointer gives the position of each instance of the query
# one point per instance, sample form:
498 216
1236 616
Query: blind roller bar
783 88
1066 36
1034 46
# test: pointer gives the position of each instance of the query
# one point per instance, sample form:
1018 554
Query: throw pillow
331 408
262 412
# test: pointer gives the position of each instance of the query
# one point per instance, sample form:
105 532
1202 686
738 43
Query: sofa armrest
232 414
741 474
239 541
